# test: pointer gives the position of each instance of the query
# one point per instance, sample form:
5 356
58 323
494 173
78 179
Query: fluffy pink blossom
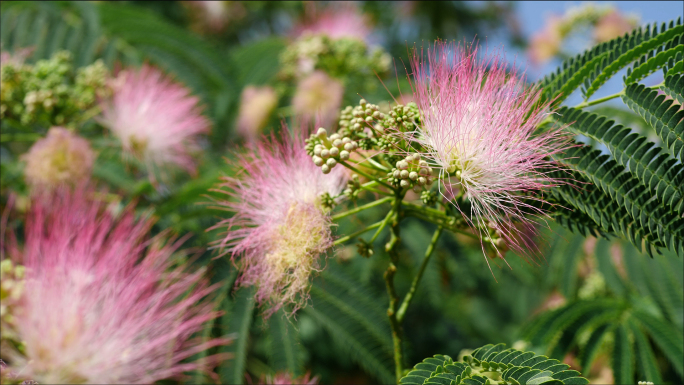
62 157
318 96
156 118
100 304
256 106
340 20
477 129
280 227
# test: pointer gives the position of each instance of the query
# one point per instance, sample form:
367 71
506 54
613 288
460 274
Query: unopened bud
331 163
346 140
344 155
318 161
337 143
333 137
334 151
322 133
325 154
404 174
423 171
349 147
325 169
416 189
317 151
397 174
404 183
402 165
421 181
413 175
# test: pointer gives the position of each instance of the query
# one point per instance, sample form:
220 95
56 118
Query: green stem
384 223
349 166
354 235
416 280
360 208
390 248
437 217
600 100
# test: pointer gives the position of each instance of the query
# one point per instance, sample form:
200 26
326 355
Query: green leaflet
666 117
495 362
657 171
626 192
595 62
674 87
623 358
285 348
643 69
626 53
237 320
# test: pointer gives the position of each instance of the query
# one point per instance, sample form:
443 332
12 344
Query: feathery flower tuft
280 227
99 305
318 96
155 118
62 157
256 106
478 129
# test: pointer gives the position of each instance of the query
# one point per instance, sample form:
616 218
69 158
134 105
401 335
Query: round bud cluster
403 118
411 172
355 120
429 198
328 151
353 188
364 248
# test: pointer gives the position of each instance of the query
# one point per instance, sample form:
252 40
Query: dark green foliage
493 362
674 87
665 116
628 50
636 311
236 322
595 66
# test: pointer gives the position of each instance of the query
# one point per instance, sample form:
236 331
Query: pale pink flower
156 118
477 129
340 20
546 44
256 106
62 157
99 303
280 227
319 97
613 25
17 58
285 378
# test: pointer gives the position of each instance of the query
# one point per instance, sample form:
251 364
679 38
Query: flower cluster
477 130
50 92
280 227
155 118
336 22
100 303
62 157
341 58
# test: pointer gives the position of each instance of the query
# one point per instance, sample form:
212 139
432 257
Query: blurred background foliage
586 302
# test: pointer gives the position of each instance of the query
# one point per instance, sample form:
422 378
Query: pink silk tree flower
62 157
256 105
101 303
478 130
318 97
280 226
546 44
340 20
156 118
